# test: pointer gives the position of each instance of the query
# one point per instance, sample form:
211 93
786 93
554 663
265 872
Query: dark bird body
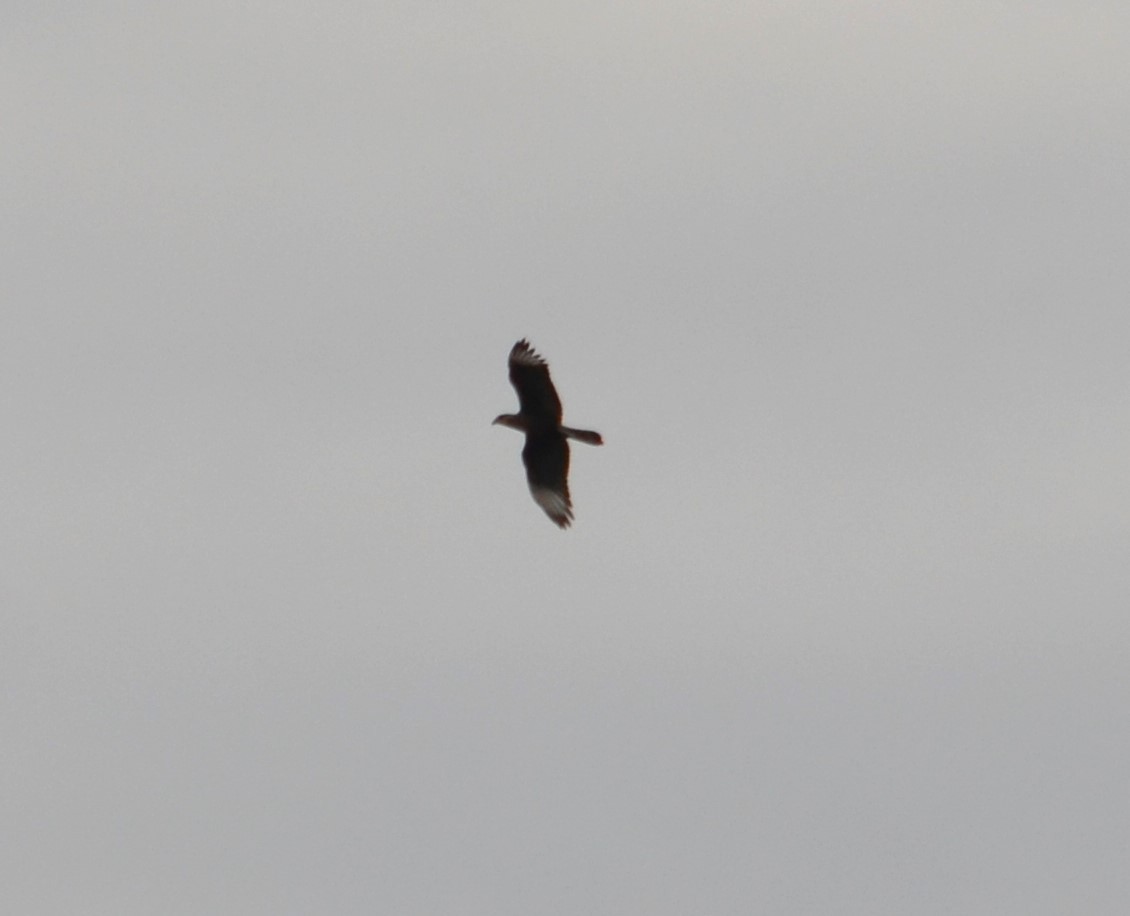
546 453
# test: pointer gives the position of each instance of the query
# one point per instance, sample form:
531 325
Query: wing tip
523 353
556 505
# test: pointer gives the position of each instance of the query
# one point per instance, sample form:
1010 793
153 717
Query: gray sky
841 626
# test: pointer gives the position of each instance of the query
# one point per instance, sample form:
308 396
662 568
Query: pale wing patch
556 505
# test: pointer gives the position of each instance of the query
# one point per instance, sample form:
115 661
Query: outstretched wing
546 457
537 398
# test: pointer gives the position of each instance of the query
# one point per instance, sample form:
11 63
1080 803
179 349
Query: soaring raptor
546 454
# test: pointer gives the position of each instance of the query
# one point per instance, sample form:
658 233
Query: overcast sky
841 626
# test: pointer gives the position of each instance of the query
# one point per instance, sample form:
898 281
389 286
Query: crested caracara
546 453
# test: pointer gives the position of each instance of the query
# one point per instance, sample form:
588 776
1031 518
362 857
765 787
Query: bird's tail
582 435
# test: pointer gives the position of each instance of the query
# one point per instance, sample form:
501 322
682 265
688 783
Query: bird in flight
546 453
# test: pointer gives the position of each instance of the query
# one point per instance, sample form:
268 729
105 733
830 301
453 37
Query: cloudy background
841 626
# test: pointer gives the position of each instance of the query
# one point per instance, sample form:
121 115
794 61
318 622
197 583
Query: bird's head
509 419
